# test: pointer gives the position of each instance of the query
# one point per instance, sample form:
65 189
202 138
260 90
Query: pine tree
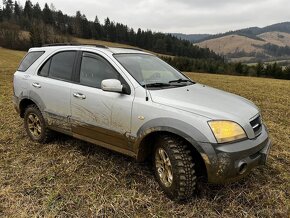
28 9
95 28
77 27
8 9
107 24
259 69
17 11
60 22
85 28
98 28
36 11
47 15
138 38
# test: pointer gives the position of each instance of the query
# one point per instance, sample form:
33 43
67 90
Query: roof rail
132 48
57 44
73 44
96 45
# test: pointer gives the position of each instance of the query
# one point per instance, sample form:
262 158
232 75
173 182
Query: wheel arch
23 104
31 98
149 131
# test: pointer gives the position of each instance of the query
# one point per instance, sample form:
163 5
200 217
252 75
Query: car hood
206 101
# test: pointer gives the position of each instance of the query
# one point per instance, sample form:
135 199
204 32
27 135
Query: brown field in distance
234 43
68 177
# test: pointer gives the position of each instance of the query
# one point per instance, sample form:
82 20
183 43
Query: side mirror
112 85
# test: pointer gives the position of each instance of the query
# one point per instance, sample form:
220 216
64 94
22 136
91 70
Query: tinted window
61 65
29 59
95 69
45 68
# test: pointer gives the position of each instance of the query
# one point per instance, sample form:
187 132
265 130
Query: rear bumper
230 162
16 103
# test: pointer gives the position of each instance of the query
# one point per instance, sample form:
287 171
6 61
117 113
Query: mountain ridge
250 32
253 44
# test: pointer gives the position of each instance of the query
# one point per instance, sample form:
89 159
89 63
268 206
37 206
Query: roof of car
105 49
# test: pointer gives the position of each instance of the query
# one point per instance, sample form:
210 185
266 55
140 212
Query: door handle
36 85
79 95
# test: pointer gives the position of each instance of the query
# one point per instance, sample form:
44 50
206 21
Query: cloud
198 16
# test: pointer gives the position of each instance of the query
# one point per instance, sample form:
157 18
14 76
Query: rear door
102 116
51 89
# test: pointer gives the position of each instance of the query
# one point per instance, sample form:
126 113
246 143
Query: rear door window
59 66
29 59
62 64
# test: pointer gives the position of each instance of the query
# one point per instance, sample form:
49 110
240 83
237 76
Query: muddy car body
132 102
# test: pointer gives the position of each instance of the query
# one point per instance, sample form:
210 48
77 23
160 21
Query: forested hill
50 25
22 27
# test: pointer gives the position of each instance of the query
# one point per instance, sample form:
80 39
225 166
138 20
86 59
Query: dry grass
276 38
231 44
68 177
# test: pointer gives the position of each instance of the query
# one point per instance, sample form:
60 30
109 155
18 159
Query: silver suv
134 103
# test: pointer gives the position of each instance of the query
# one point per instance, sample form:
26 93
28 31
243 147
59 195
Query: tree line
22 27
269 70
47 25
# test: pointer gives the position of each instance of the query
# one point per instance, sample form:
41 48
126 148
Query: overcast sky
185 16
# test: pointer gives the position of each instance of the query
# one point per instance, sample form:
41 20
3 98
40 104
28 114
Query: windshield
151 71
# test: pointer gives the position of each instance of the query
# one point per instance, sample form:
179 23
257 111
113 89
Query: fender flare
188 132
29 96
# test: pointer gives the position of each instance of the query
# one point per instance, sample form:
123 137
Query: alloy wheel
164 167
33 124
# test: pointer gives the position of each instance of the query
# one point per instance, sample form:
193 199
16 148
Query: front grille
256 125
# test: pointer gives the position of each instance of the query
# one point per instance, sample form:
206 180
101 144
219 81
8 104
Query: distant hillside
251 32
252 44
276 38
232 44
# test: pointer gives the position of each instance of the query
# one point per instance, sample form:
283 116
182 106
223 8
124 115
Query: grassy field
68 177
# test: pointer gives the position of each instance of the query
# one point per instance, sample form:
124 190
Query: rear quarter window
29 59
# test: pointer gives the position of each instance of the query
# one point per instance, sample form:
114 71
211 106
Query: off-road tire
44 134
184 178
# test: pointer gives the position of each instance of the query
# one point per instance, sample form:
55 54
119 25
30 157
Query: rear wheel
35 125
174 168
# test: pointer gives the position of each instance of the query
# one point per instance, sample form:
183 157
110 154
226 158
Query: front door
96 114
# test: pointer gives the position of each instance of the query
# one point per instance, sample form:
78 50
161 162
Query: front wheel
174 168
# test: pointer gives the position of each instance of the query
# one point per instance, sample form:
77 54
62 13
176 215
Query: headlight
226 131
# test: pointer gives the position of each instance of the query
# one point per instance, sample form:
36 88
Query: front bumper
230 162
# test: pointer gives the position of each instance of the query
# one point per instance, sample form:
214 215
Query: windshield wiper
156 84
180 81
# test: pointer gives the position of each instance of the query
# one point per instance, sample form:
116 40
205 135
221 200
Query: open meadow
71 178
